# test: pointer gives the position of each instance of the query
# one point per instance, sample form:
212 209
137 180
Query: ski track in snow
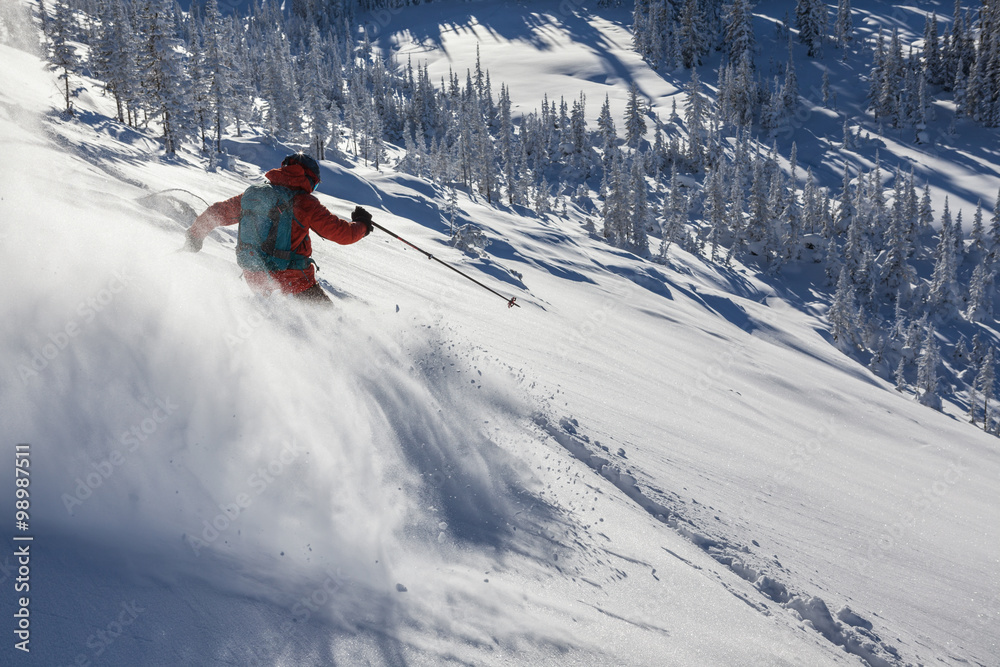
849 630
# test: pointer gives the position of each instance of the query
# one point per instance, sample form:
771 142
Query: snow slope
642 465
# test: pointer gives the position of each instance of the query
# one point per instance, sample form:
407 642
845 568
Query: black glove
192 243
364 217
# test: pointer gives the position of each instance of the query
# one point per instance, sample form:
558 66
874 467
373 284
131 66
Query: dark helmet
307 163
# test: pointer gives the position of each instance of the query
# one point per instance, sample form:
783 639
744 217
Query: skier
274 248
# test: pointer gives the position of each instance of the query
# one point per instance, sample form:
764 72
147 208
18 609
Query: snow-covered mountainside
647 463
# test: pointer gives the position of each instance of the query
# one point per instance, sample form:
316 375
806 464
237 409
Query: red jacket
307 210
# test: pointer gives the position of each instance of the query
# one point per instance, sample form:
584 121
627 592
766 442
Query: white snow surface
643 465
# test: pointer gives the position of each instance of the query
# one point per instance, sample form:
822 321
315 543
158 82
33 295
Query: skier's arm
217 215
316 216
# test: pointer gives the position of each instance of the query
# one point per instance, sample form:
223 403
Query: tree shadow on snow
502 22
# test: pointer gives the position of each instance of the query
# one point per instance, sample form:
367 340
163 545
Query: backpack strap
274 215
270 242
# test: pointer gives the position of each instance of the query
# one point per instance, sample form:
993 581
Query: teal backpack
264 240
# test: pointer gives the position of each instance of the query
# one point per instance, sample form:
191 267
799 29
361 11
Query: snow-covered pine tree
911 112
375 131
897 273
978 234
281 102
218 68
638 210
958 91
759 221
811 20
900 375
506 144
958 238
465 148
832 261
661 27
842 315
579 140
692 34
696 116
739 35
608 134
452 209
814 205
845 203
116 48
925 112
412 160
773 114
784 98
715 208
543 198
735 212
675 212
640 32
524 175
788 234
960 353
943 297
981 292
933 64
615 211
635 124
985 384
62 53
486 161
978 352
925 214
161 62
988 60
561 141
854 248
843 30
739 92
200 96
994 239
927 371
240 75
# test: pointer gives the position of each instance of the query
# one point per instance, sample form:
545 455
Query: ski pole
511 302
